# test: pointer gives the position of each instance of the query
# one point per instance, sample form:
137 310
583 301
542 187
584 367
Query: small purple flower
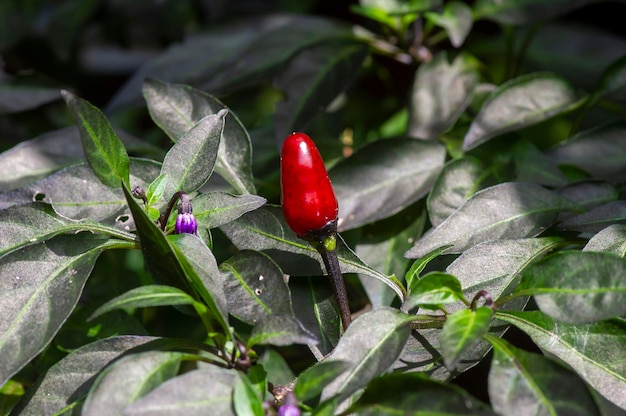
185 221
288 410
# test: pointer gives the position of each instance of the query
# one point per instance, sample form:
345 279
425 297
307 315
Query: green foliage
477 152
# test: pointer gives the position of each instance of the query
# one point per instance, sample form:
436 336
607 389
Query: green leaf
590 349
214 209
383 178
420 264
370 346
524 11
461 331
440 93
497 266
104 150
459 179
279 330
128 379
433 289
36 222
185 263
40 287
509 210
612 85
203 274
317 310
312 381
612 240
598 218
78 371
588 194
577 287
89 198
265 229
312 80
145 297
600 151
177 108
189 163
524 383
206 391
255 287
456 19
415 394
246 401
519 103
156 189
532 165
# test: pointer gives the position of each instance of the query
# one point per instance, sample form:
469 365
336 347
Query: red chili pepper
307 197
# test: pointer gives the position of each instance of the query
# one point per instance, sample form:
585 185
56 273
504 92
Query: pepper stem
334 272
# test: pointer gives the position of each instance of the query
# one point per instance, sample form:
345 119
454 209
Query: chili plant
469 173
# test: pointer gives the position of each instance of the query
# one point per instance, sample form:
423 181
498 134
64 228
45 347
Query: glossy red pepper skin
307 196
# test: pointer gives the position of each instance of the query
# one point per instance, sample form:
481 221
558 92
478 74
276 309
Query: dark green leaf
459 179
456 19
189 163
383 178
256 48
40 287
24 225
601 151
441 92
214 209
128 379
312 381
435 288
317 310
612 239
280 330
206 391
589 194
612 85
177 108
88 198
524 383
598 218
145 297
420 264
414 394
370 346
519 103
255 287
312 80
532 165
578 287
509 210
202 273
590 350
15 98
77 372
264 229
461 331
104 150
525 11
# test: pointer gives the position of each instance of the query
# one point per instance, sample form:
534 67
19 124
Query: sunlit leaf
440 93
589 349
434 288
456 19
214 209
280 330
578 287
525 383
384 177
508 210
612 239
104 150
519 103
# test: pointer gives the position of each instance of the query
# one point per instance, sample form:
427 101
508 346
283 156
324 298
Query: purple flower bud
288 410
185 221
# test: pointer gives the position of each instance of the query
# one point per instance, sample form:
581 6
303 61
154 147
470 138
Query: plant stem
334 272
